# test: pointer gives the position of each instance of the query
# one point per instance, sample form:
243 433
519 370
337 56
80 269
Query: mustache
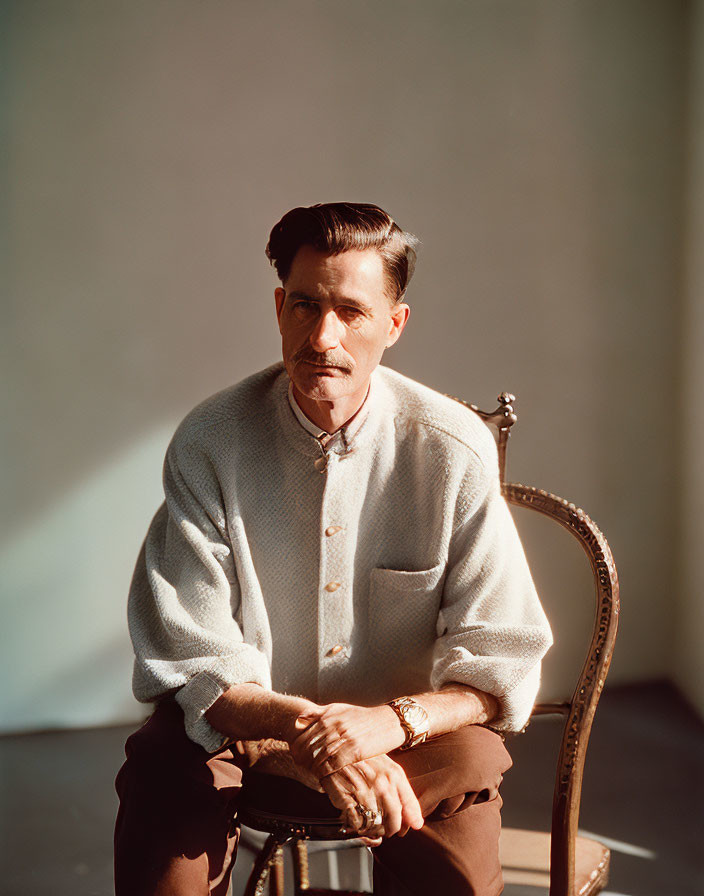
324 359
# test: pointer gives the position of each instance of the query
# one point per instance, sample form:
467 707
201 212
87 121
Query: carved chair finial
504 416
506 398
503 419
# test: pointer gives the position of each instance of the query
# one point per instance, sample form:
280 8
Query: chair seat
254 840
288 826
525 859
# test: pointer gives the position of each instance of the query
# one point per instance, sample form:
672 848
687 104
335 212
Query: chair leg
276 874
266 858
301 881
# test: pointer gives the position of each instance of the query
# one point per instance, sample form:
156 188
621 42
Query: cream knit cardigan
385 569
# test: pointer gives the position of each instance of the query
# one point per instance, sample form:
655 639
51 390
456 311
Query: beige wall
689 644
534 147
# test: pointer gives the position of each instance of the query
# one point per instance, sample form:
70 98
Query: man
332 604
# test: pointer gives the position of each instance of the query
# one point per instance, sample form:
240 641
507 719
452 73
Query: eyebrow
356 303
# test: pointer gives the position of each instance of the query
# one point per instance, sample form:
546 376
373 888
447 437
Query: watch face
415 715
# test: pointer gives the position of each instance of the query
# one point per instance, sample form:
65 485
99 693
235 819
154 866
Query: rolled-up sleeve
184 598
492 631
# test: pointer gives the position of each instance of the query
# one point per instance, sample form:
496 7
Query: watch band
413 718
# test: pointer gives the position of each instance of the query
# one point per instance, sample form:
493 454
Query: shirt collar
341 439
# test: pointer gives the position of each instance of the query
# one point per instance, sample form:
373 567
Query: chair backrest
579 710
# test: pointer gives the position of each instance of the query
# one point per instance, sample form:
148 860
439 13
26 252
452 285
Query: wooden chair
568 864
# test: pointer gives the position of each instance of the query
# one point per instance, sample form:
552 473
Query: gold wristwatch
413 719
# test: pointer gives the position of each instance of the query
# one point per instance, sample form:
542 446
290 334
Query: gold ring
369 814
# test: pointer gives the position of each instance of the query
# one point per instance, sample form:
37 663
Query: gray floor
644 790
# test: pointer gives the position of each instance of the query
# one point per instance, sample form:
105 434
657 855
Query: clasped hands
345 747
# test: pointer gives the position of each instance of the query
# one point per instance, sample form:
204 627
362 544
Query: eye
304 308
350 314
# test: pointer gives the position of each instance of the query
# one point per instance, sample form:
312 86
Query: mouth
322 367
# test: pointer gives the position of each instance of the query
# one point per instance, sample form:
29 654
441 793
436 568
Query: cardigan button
335 650
333 586
321 464
332 530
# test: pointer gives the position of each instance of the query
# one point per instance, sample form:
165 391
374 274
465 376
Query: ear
279 298
399 318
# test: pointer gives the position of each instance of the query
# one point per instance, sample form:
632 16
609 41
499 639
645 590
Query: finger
309 746
368 815
339 793
385 796
364 799
347 791
317 746
371 841
405 825
333 756
412 815
372 838
350 820
329 758
302 722
354 821
391 810
316 740
308 731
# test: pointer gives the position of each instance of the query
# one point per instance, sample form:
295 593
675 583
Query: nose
326 333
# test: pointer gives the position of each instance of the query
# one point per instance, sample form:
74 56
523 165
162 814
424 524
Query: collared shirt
340 440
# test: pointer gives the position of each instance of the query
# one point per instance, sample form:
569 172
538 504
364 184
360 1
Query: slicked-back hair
336 227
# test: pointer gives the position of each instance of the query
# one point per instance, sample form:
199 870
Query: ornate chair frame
578 712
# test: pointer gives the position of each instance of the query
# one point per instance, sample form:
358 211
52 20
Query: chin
323 391
322 388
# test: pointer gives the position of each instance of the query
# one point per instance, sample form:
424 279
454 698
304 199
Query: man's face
336 319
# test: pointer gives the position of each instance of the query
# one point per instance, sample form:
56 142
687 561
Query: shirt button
335 650
333 586
331 530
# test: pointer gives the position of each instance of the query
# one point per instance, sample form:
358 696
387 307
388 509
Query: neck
331 415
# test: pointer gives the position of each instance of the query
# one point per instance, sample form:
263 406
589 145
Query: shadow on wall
65 580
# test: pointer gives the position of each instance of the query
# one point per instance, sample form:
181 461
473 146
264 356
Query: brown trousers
174 833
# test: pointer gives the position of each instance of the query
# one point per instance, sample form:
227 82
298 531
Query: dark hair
335 227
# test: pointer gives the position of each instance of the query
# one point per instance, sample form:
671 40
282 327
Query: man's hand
273 757
340 734
375 798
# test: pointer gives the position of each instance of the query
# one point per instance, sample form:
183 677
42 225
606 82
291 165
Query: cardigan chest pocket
403 612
